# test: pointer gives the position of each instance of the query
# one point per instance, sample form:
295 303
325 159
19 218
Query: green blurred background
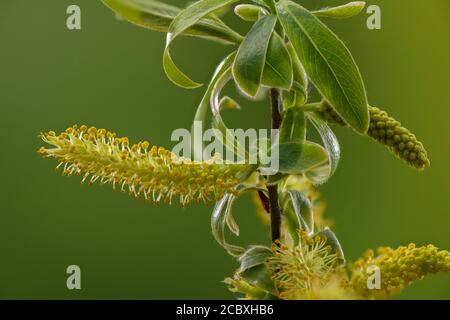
109 75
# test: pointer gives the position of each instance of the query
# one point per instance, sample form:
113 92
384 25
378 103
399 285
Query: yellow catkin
156 173
301 271
398 268
387 131
311 271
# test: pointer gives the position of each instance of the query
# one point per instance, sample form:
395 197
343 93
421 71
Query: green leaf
176 75
290 219
202 109
298 212
224 135
288 98
299 72
269 4
158 16
328 63
295 158
260 277
218 222
249 63
228 140
184 20
298 95
278 65
341 12
254 256
232 224
333 241
323 173
303 209
293 127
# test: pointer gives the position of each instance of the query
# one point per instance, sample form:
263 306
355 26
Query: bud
248 12
387 131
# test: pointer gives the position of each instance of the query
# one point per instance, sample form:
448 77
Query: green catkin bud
398 268
387 131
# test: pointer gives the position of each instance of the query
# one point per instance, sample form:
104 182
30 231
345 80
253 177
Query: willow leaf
333 241
296 158
278 65
341 12
293 127
328 63
323 173
303 209
203 107
261 277
155 15
249 63
254 256
219 221
222 133
184 20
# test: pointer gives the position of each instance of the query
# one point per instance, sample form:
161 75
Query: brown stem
275 212
264 201
275 103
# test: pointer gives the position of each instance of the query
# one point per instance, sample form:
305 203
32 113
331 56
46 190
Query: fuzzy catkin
398 268
156 173
299 270
387 131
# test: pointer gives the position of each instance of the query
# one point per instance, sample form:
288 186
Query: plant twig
275 212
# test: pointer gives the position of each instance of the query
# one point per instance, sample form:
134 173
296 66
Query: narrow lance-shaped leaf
222 133
303 209
185 19
290 217
333 241
323 173
299 72
254 256
295 158
261 277
293 127
269 4
203 107
277 71
158 16
232 224
218 223
341 12
298 95
328 63
249 63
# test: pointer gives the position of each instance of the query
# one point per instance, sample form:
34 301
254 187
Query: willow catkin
387 131
297 269
156 173
398 268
